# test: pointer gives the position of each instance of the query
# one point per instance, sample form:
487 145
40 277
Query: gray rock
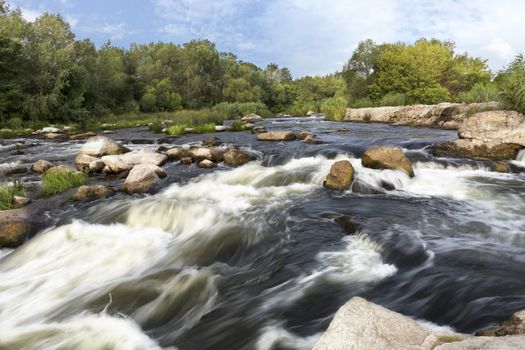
98 146
142 177
215 154
123 162
82 161
251 118
276 136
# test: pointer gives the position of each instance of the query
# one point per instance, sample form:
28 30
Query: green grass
60 179
176 130
237 126
204 128
8 191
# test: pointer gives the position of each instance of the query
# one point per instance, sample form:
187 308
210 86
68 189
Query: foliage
512 85
480 93
204 128
362 103
60 179
427 95
334 108
393 99
8 191
229 110
237 125
177 130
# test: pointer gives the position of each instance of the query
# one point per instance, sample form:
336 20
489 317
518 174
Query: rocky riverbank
444 115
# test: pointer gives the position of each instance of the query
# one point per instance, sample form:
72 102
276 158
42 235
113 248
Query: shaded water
253 257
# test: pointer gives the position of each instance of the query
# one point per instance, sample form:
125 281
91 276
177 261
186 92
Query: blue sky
308 36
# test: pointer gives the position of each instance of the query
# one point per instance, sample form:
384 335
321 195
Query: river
254 257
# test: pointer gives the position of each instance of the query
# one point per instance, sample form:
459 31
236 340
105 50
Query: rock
15 225
310 113
177 153
98 146
220 128
54 136
340 176
207 164
360 325
304 134
495 127
343 130
82 136
12 169
142 177
249 126
108 125
251 118
19 201
68 128
51 129
312 140
82 161
123 162
96 166
476 149
186 160
215 154
259 129
237 157
501 167
387 158
210 140
347 224
41 166
276 136
92 192
515 342
108 132
188 130
514 325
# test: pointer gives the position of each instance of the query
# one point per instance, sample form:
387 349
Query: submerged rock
54 136
340 176
210 140
41 166
186 160
387 158
142 177
347 224
276 136
98 146
92 192
12 169
237 157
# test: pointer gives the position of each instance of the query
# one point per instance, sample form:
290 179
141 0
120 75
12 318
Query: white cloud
30 15
72 20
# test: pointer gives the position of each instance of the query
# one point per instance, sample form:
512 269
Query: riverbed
255 257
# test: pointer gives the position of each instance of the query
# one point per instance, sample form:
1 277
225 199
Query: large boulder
237 157
98 146
85 193
251 118
214 154
97 166
41 166
360 325
82 161
340 176
515 342
476 149
277 136
495 127
177 153
512 326
142 177
124 162
15 225
387 158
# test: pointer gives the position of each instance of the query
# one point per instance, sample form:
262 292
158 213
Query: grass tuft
177 130
8 191
60 179
204 128
237 126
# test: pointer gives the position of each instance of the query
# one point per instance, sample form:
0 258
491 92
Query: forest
47 75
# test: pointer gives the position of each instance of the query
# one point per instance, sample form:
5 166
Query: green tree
512 85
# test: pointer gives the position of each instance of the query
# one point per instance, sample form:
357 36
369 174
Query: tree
512 85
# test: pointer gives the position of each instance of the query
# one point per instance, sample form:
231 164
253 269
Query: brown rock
304 134
92 192
41 166
98 146
513 326
15 225
207 164
177 153
123 162
82 161
495 127
251 118
237 157
142 177
54 136
186 160
340 176
215 154
387 158
19 201
276 136
97 166
476 149
501 167
210 140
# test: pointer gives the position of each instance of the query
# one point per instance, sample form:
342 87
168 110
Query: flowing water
253 257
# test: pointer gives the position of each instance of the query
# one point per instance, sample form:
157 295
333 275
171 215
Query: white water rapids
54 288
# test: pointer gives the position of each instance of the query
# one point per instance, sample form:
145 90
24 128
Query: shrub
15 123
393 99
59 179
204 128
479 93
334 108
512 88
237 126
156 127
228 110
428 95
8 191
176 130
362 103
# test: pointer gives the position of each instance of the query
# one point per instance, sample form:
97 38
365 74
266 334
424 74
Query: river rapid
254 257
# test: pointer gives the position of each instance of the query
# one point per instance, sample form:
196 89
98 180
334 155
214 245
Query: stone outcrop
444 115
237 157
387 158
340 176
277 136
41 166
85 193
142 177
495 135
124 162
98 146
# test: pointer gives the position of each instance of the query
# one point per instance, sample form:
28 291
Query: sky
310 37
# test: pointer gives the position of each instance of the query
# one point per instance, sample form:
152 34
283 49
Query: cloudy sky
308 36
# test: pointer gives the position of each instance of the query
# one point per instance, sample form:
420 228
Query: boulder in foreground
506 127
41 166
515 325
142 177
277 136
98 146
124 162
85 193
237 157
387 158
340 176
15 225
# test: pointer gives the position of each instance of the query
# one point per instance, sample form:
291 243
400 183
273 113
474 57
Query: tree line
46 74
